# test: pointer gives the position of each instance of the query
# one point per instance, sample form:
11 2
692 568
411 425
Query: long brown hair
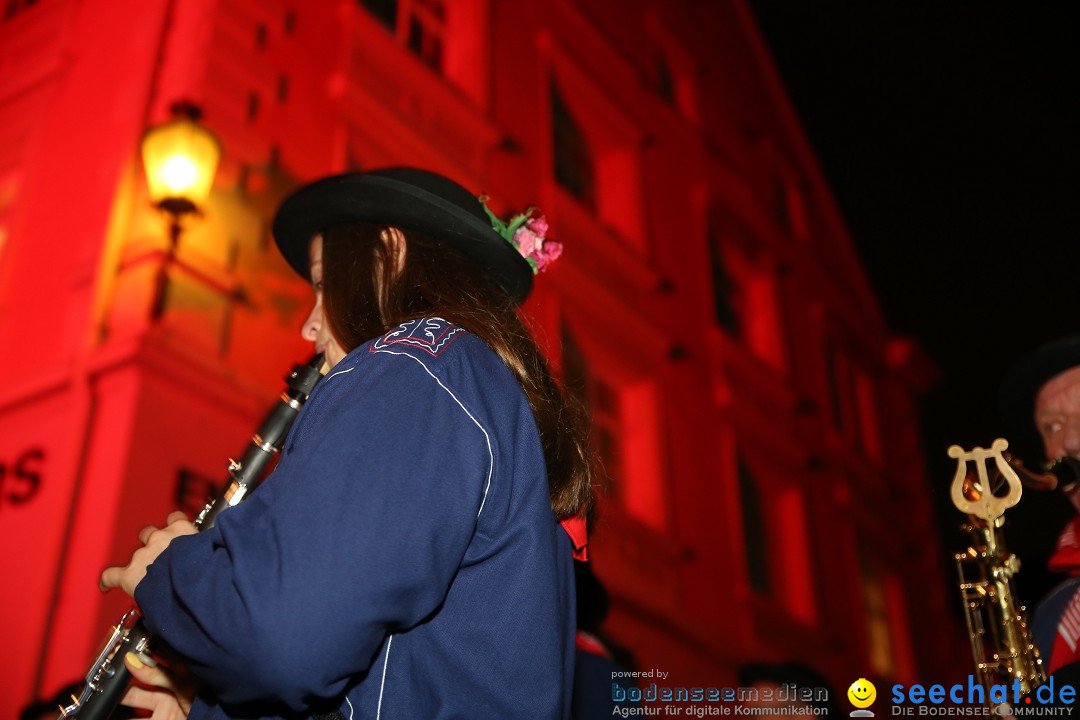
437 279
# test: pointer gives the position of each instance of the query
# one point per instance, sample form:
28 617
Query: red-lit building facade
754 416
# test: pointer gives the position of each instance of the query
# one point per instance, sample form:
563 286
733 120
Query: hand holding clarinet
177 688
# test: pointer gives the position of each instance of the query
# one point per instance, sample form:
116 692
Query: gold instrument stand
1001 643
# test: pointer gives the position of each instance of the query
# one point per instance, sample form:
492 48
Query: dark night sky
948 132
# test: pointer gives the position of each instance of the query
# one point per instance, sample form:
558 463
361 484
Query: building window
427 27
14 7
624 433
193 488
574 169
8 190
665 81
888 643
869 434
797 561
835 376
603 404
777 540
597 152
261 35
853 403
643 454
791 208
747 302
385 11
452 38
723 287
755 535
877 626
418 24
674 71
353 163
601 401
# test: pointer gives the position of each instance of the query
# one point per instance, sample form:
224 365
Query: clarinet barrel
108 678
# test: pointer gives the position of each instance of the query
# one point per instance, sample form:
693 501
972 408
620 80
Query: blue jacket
402 561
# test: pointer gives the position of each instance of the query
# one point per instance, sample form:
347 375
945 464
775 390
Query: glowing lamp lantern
180 158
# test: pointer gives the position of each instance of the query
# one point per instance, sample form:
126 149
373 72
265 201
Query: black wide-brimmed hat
409 199
1016 399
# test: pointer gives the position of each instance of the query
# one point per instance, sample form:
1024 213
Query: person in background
1041 396
599 662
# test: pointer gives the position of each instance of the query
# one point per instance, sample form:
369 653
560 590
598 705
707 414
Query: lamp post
180 158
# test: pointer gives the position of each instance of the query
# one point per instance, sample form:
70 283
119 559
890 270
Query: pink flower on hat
534 247
527 242
548 254
538 225
527 232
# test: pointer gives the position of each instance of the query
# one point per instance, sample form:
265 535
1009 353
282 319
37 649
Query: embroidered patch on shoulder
432 335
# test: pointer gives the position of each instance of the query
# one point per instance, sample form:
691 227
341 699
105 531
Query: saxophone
1001 642
108 678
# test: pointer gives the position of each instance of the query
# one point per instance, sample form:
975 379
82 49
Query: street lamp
180 158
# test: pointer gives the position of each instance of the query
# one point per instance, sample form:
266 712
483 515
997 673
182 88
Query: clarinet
109 677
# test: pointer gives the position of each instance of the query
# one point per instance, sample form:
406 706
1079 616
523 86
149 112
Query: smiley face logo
862 693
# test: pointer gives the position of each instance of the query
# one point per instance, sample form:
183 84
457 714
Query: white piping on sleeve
382 683
487 438
341 372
